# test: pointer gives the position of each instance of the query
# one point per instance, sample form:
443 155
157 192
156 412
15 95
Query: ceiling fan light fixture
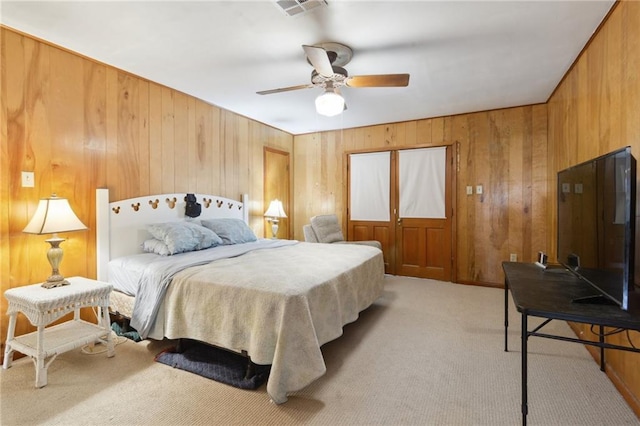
329 103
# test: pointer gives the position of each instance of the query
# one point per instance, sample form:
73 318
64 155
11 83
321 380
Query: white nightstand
43 306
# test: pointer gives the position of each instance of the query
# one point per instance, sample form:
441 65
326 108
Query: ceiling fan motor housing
338 78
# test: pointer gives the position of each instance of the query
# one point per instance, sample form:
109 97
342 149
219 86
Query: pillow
207 237
180 237
155 246
232 231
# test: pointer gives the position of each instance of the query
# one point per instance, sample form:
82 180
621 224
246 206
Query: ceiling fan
327 60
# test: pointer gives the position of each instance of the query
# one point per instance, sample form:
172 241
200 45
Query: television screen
596 215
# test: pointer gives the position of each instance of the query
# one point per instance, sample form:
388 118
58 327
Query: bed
278 301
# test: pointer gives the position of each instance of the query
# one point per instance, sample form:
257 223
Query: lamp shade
329 103
275 209
54 215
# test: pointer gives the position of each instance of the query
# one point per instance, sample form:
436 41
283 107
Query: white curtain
422 182
370 186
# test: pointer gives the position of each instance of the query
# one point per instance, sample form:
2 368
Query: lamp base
274 229
54 254
55 281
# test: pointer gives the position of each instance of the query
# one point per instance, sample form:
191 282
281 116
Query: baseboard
612 374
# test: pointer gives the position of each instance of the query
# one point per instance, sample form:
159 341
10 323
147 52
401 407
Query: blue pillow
180 237
207 237
232 231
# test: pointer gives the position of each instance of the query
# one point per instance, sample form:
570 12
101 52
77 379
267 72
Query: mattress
125 272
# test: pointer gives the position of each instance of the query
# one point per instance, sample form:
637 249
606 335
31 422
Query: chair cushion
327 228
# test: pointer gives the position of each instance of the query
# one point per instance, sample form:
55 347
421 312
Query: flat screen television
596 232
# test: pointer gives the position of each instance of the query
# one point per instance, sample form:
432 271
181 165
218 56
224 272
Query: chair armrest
309 235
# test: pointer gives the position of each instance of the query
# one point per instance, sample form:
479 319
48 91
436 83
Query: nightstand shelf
42 307
59 338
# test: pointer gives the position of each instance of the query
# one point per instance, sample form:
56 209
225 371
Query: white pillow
155 246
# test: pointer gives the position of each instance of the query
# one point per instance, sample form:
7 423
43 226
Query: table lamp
273 215
54 215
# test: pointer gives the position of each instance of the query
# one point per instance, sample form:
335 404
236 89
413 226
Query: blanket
279 305
157 275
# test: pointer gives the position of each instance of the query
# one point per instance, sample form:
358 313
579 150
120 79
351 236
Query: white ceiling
462 56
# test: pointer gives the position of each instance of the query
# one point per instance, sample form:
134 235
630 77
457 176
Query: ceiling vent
299 7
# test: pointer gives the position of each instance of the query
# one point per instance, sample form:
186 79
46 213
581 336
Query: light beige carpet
426 353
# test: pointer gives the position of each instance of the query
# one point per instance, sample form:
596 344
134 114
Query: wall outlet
513 257
28 180
577 188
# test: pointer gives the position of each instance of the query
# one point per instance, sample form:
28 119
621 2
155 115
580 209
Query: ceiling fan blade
381 80
319 59
285 89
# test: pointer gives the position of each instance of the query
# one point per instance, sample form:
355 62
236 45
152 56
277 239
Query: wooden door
423 220
369 215
276 185
412 245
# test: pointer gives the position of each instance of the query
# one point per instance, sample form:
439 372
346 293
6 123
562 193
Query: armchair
326 229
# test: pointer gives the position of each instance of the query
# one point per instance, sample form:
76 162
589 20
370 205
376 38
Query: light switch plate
479 189
28 180
469 190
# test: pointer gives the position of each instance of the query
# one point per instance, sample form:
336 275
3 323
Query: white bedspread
157 275
280 305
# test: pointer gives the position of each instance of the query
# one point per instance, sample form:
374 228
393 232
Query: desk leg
525 336
602 363
8 351
506 314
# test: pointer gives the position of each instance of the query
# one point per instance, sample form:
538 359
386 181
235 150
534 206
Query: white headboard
121 225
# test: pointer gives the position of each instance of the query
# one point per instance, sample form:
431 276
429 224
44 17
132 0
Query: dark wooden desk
550 294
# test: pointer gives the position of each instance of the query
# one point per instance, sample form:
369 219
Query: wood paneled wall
80 125
504 150
595 110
